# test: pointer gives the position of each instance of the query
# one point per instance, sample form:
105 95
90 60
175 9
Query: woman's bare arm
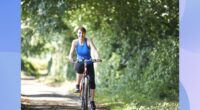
91 44
73 45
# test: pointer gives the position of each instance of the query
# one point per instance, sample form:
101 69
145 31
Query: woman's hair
82 29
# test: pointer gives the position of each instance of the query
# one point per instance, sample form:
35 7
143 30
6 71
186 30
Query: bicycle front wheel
85 94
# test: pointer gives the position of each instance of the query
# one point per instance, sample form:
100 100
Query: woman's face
80 34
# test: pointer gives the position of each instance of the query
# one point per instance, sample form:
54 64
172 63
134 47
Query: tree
137 39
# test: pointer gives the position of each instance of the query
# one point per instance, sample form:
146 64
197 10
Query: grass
162 105
113 104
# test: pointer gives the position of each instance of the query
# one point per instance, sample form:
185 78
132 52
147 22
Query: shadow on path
38 96
52 95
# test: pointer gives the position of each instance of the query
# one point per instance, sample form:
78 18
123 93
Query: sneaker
77 90
92 105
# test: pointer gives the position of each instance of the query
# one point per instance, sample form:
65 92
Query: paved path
39 96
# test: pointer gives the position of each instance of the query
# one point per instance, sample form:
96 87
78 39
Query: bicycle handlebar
86 60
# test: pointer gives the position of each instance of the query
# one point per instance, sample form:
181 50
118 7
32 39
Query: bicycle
85 82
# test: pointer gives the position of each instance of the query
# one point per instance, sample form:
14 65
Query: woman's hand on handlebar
71 60
97 60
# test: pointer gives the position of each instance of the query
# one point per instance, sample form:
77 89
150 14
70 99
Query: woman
83 47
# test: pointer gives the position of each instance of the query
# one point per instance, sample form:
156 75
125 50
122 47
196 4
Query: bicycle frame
85 88
85 84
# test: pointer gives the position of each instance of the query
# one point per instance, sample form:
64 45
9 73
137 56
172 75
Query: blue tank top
83 51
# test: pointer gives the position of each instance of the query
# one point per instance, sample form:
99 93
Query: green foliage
138 41
70 74
29 68
163 105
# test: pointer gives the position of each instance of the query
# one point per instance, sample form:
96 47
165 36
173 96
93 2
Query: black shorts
79 68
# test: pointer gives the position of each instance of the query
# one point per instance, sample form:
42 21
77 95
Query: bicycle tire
82 95
85 94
